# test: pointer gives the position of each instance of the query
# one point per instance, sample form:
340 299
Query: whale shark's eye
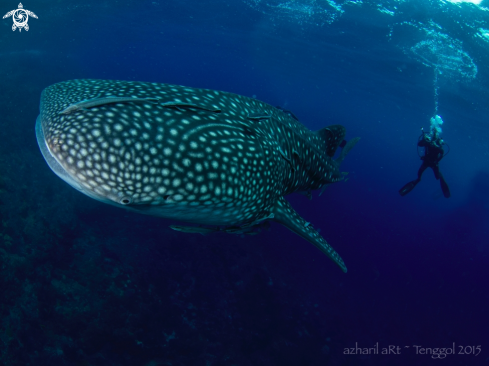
125 200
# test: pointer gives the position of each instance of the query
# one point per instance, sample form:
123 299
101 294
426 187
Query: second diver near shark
433 153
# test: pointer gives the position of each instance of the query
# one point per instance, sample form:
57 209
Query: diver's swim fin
444 187
408 187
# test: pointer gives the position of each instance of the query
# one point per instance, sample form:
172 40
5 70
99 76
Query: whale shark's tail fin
349 145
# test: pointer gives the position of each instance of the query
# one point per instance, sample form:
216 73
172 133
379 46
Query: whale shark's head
124 154
94 150
158 158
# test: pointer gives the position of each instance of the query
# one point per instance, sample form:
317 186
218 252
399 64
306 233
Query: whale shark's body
202 156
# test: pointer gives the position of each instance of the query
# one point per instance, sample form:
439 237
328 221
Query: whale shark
212 158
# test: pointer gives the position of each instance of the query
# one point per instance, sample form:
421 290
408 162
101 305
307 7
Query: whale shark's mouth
55 166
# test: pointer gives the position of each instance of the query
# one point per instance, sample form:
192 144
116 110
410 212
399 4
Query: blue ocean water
84 283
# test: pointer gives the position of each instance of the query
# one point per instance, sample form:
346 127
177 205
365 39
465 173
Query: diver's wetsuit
433 153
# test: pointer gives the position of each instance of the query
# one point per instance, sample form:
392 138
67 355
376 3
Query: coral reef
87 284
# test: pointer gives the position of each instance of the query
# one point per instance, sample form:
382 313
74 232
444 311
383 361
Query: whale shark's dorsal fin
332 136
287 216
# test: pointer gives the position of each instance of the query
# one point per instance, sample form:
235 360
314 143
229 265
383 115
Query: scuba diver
433 153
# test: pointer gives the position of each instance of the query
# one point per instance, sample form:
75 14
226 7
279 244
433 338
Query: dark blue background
418 265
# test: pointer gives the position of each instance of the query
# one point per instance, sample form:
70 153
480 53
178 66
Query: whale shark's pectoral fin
286 215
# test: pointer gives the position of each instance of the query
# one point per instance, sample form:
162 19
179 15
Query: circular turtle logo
20 17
